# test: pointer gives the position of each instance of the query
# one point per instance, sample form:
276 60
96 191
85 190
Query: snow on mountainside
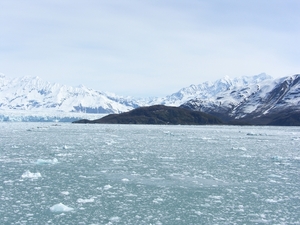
209 91
247 97
247 100
31 93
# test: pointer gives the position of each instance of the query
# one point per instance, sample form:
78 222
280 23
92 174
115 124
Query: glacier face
230 99
32 93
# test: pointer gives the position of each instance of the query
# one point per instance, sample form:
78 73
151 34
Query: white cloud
147 47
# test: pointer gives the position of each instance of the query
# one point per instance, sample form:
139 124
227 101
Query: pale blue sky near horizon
151 47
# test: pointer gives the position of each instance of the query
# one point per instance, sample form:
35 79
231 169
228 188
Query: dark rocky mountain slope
158 114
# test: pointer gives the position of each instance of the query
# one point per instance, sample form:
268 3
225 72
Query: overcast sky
147 48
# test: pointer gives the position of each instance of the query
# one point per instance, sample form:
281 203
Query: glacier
44 116
245 98
32 93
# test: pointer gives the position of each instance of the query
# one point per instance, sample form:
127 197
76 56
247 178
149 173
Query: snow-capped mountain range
230 99
32 93
259 99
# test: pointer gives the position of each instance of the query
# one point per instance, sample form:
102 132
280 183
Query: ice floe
106 187
88 200
28 174
149 177
46 161
239 148
60 208
115 219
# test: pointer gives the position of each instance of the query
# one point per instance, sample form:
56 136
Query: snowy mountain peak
226 98
251 99
208 90
225 80
256 79
32 93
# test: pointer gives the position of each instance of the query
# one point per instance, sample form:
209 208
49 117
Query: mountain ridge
255 102
158 114
248 99
32 93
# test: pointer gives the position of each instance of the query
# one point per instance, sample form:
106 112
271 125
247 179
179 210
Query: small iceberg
80 200
239 148
28 174
106 187
46 161
60 208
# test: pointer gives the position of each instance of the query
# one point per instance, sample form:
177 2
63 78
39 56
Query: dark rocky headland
158 114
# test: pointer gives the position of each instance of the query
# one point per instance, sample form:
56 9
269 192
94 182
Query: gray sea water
145 174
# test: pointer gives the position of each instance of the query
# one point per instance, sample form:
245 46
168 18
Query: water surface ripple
138 174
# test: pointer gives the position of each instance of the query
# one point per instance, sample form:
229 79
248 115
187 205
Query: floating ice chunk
125 180
65 193
158 200
106 187
8 182
80 200
65 147
46 161
28 174
239 148
110 142
115 219
130 195
240 208
206 138
271 200
198 213
215 197
246 156
63 154
60 208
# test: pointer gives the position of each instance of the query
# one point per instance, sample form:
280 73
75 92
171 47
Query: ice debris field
137 174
